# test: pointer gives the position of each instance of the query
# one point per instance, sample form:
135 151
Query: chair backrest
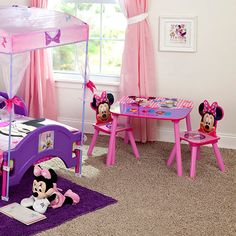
20 110
101 104
210 114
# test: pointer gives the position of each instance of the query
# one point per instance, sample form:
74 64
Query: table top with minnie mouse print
159 108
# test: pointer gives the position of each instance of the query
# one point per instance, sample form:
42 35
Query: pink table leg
189 127
188 122
126 139
110 154
178 148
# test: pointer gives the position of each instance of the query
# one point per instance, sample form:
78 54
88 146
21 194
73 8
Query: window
106 37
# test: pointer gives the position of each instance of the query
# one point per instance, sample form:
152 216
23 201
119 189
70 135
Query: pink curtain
138 76
38 89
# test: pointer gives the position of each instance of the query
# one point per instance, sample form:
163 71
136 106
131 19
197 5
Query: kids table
158 108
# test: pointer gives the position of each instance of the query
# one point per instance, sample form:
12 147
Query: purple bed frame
26 153
35 34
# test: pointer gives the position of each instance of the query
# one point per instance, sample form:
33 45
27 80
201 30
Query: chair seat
198 138
106 128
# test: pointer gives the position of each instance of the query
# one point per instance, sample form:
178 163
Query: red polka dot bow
102 98
210 108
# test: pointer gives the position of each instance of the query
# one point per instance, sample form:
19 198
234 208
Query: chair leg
133 144
93 142
198 153
171 157
193 162
218 157
126 139
113 152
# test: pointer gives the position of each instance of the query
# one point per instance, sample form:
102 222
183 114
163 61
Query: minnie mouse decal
101 104
210 115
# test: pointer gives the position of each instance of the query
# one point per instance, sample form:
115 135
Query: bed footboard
49 140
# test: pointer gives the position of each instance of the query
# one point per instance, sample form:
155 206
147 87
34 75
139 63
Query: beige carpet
152 200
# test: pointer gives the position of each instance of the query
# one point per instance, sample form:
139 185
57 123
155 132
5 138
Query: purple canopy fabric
24 29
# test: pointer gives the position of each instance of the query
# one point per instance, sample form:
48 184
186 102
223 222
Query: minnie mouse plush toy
46 193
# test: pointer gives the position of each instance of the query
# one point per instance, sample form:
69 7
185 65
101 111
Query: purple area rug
89 201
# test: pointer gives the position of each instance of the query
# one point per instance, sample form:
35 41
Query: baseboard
88 128
166 135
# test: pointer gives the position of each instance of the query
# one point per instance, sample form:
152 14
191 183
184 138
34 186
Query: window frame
73 76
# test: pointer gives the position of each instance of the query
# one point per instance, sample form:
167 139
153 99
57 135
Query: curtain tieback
137 19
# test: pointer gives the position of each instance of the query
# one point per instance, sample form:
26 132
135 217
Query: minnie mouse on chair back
210 115
101 104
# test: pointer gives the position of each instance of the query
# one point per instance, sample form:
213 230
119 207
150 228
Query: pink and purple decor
24 29
89 201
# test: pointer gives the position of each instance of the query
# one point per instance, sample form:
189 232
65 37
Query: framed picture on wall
178 34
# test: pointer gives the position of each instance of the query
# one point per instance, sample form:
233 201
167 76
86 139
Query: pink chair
206 134
104 122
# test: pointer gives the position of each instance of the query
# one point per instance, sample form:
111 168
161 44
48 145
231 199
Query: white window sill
78 79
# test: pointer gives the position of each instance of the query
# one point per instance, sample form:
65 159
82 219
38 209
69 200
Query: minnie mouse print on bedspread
45 192
211 114
101 104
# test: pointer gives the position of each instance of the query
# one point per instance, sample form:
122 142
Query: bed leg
77 153
4 181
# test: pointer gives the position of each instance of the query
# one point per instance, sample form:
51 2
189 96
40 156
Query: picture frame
178 34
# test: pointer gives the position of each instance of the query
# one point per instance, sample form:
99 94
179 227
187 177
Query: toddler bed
33 141
23 140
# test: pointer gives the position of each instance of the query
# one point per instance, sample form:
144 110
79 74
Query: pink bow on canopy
43 172
50 39
102 98
10 101
210 108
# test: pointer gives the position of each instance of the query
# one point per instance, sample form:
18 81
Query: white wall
209 73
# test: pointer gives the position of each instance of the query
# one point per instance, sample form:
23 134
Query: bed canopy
23 29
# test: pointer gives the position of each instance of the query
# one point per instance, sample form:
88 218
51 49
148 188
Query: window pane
64 57
90 13
107 26
113 22
94 56
68 7
111 57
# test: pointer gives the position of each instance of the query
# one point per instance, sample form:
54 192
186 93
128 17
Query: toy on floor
101 104
210 115
45 192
